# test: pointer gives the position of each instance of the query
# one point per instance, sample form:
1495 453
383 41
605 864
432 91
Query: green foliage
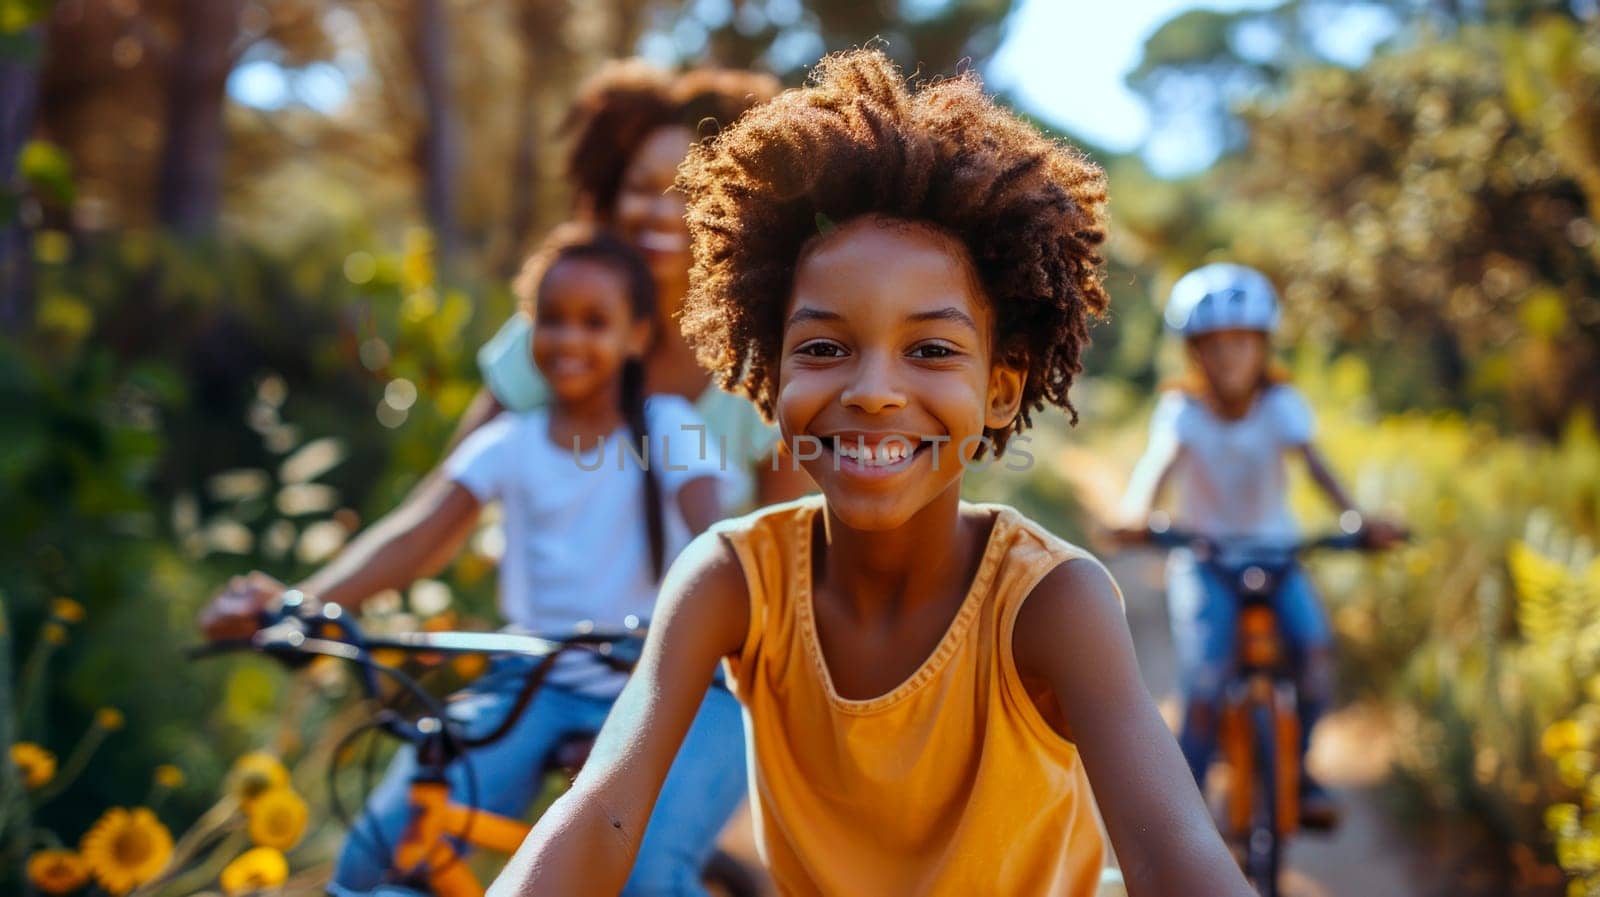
180 413
1434 210
15 15
47 169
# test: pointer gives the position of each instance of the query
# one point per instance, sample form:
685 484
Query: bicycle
428 859
1259 725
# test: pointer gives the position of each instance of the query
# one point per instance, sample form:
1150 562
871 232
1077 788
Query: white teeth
884 454
661 242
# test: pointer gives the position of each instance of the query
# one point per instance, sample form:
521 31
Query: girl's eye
932 350
820 349
596 322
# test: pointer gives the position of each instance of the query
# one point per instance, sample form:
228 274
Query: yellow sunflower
255 870
278 818
37 765
57 871
126 848
255 773
169 776
67 610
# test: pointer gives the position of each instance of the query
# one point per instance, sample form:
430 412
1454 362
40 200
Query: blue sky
1042 50
1043 47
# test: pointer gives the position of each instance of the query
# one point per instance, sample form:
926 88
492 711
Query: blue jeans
1205 618
702 789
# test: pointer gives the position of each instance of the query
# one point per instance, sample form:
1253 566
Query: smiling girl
930 686
589 527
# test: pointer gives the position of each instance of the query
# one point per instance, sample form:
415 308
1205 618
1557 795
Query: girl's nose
567 337
872 386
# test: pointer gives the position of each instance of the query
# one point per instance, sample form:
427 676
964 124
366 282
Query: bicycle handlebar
1176 538
296 630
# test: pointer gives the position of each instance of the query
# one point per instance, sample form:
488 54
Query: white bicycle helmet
1222 297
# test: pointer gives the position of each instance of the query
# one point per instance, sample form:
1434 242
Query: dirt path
1366 857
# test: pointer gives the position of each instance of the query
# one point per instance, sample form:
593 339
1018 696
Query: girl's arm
1153 470
484 408
415 540
1381 533
1323 476
1072 635
586 843
1148 481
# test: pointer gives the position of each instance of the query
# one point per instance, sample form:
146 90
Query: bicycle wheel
1263 846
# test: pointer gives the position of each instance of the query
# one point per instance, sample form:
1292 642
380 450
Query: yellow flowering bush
255 870
255 774
277 818
57 871
37 765
126 848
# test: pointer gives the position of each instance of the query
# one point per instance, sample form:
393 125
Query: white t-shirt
1230 479
577 548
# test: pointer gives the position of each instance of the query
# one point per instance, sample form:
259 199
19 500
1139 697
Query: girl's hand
235 612
1380 533
1121 535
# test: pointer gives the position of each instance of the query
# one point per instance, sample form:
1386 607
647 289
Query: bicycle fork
1260 735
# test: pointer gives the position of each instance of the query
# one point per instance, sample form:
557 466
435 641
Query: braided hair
586 241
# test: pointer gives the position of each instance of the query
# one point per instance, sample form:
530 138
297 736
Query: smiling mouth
567 367
886 456
660 241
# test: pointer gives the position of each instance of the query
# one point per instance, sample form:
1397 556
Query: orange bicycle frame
435 820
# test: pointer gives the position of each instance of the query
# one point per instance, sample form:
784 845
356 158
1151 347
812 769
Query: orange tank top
951 784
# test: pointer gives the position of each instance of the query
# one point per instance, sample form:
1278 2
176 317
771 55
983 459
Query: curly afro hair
856 141
626 100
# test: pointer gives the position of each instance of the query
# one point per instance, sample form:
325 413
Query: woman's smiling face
887 361
649 212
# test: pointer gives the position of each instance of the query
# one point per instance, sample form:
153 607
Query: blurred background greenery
248 249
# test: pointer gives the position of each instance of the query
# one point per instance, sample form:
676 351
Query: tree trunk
19 95
436 144
525 193
189 196
544 62
628 22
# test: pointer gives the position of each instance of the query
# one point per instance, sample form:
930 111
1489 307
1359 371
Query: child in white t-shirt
592 518
1219 439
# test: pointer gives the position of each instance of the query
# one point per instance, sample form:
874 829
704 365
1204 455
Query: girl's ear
639 333
1005 394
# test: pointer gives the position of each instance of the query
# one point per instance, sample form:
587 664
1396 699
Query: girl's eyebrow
948 313
806 313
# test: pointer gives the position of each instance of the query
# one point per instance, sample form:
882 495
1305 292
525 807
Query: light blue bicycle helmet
1222 296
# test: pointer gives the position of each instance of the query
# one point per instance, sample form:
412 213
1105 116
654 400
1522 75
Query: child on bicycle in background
899 279
587 539
1218 437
